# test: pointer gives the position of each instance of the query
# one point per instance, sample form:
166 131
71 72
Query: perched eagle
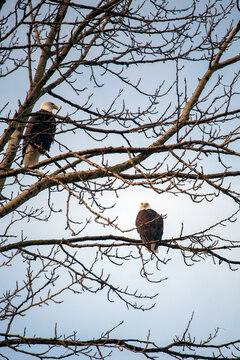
39 134
149 226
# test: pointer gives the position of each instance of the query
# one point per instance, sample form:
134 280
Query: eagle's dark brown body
38 136
150 228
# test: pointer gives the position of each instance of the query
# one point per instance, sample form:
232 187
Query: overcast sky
210 291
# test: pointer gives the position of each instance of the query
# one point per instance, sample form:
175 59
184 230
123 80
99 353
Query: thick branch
133 345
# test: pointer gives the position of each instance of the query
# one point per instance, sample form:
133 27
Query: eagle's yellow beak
55 107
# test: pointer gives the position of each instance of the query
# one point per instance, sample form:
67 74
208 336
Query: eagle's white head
144 206
48 105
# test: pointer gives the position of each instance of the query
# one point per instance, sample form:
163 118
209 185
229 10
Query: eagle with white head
149 225
39 134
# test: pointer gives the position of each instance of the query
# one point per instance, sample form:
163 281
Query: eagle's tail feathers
31 156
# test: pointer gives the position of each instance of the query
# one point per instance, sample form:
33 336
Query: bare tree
149 97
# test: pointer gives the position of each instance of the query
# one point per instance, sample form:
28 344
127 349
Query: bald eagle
39 134
149 226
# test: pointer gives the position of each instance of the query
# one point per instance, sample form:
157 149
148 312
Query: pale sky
209 290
